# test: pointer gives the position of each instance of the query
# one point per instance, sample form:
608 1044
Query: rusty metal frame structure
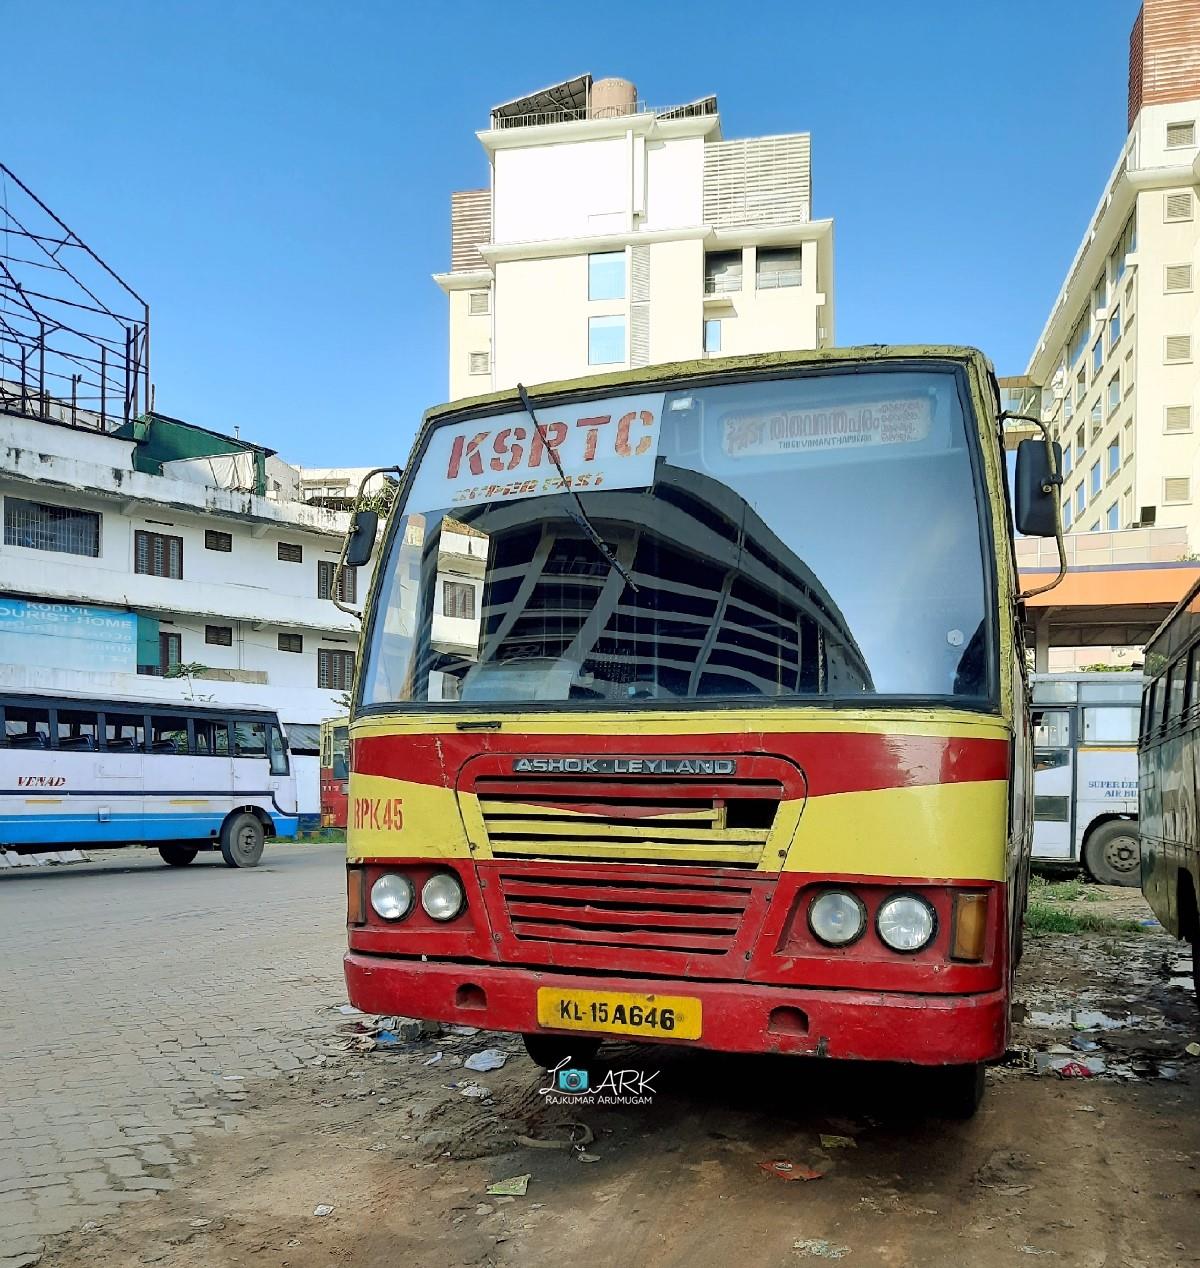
70 352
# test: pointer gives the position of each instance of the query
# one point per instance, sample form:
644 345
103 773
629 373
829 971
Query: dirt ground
1098 1172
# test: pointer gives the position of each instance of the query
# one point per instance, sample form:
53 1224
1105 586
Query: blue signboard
67 636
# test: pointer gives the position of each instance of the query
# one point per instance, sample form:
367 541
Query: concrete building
613 235
1116 369
162 560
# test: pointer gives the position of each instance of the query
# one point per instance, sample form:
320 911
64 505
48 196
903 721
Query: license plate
620 1013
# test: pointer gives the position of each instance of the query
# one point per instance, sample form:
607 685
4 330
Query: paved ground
131 991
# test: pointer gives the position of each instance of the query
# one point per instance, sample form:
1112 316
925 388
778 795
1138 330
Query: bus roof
716 366
146 704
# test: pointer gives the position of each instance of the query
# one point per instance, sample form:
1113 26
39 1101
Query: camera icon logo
572 1080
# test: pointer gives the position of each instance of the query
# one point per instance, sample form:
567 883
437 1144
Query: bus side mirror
1037 488
361 545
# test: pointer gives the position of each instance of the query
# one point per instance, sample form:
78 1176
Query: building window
1097 418
214 539
1100 295
1097 356
170 655
1066 462
1078 339
1080 444
291 642
723 273
1177 278
347 590
458 600
606 275
1094 528
776 267
1178 418
219 635
479 363
291 553
712 335
1080 499
157 554
1112 519
1068 408
1181 134
1114 457
1094 478
1177 349
1177 207
1081 385
1114 394
38 526
479 303
1177 489
335 670
606 340
1114 329
1126 244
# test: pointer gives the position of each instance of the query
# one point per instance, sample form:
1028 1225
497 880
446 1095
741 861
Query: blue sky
275 177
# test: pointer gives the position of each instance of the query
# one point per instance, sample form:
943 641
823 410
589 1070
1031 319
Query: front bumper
921 1029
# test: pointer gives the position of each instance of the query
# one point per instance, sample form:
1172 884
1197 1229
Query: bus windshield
817 535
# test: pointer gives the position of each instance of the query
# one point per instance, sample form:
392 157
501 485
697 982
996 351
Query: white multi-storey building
1118 362
612 235
164 560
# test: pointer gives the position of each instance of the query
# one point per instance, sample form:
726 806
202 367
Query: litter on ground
514 1186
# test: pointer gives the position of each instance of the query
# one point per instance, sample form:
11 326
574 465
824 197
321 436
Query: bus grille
629 825
691 914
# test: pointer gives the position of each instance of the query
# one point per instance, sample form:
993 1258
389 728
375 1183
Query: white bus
1085 780
77 772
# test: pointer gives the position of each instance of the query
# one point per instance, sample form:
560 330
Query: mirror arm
336 580
1049 485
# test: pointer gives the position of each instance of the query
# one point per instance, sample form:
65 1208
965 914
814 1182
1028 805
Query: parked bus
1168 752
1085 781
721 739
335 771
78 772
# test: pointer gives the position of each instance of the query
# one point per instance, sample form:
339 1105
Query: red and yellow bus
335 771
690 710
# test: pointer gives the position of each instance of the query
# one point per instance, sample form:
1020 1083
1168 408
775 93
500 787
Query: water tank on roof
612 98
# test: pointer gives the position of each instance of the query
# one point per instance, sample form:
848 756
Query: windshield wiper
580 516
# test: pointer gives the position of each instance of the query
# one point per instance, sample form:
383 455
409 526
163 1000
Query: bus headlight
392 896
837 918
906 923
442 896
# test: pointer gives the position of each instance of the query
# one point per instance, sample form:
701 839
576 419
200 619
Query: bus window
26 728
1060 692
1111 692
1194 679
1051 739
168 735
212 737
1115 724
1176 691
76 730
278 753
249 739
124 732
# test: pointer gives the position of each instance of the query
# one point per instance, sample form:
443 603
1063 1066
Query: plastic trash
838 1142
514 1186
488 1059
437 1056
782 1169
820 1248
1072 1070
464 1030
475 1090
322 1210
585 1157
1193 1050
348 1010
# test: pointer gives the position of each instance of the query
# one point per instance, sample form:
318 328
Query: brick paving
131 991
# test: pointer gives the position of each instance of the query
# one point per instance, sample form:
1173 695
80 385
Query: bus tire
177 855
549 1051
242 839
1112 853
960 1090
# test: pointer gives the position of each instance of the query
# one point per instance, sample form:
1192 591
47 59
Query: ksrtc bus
1168 774
689 710
78 772
1085 780
335 771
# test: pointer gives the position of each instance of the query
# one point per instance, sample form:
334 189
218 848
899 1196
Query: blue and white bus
77 772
